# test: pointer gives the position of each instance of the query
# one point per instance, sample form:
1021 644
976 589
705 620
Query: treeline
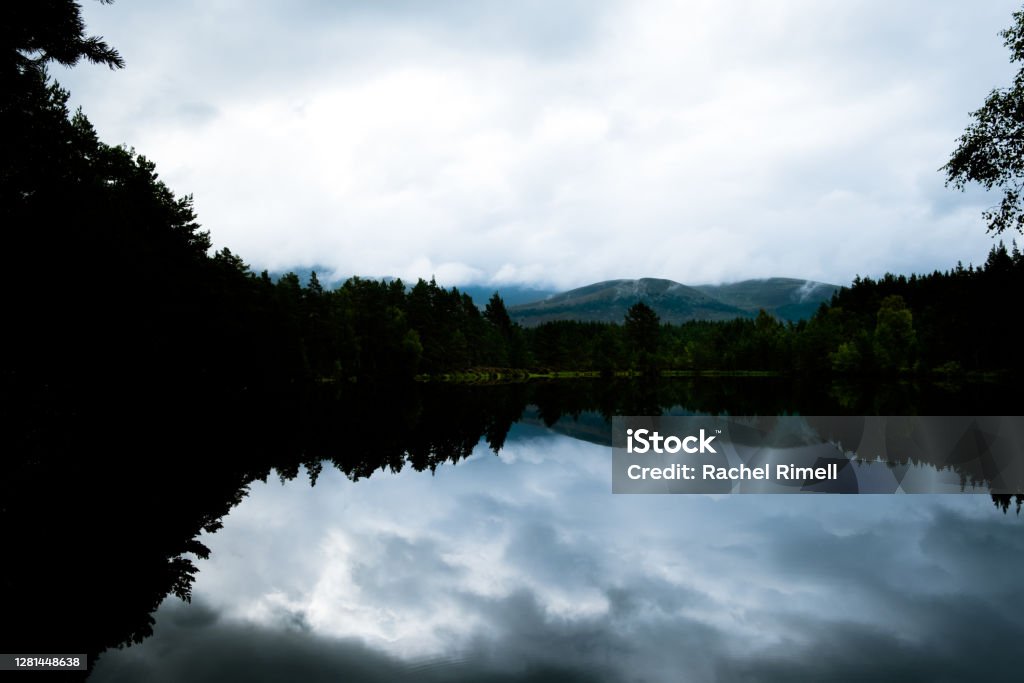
946 322
942 323
963 319
372 329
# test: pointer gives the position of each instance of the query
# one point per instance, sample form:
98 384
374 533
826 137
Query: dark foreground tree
37 32
991 150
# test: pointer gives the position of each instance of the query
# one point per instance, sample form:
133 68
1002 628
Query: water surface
516 563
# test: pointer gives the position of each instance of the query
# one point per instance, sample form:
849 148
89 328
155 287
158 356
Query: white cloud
561 145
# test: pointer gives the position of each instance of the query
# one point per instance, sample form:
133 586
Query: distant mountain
609 301
785 298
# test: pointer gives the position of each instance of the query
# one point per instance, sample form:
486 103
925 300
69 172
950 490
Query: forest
941 324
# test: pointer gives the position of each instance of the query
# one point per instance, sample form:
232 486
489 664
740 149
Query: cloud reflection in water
524 566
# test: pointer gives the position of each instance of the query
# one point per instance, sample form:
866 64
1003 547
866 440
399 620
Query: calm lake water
516 563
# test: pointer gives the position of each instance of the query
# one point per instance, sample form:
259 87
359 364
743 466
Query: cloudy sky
523 567
557 144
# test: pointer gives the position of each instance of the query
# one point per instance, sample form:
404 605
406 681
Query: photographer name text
646 441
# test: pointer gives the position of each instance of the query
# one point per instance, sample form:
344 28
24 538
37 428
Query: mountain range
785 298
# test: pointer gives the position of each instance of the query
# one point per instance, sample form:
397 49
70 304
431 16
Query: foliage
48 30
991 150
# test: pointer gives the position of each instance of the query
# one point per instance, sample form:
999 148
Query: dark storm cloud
206 648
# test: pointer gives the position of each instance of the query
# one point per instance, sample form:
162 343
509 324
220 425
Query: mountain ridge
607 301
790 299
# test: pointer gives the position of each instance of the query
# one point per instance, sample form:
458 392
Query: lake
471 534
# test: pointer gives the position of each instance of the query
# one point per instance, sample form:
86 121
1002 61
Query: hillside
785 298
608 302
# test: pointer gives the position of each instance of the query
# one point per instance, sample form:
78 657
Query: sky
558 144
521 567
